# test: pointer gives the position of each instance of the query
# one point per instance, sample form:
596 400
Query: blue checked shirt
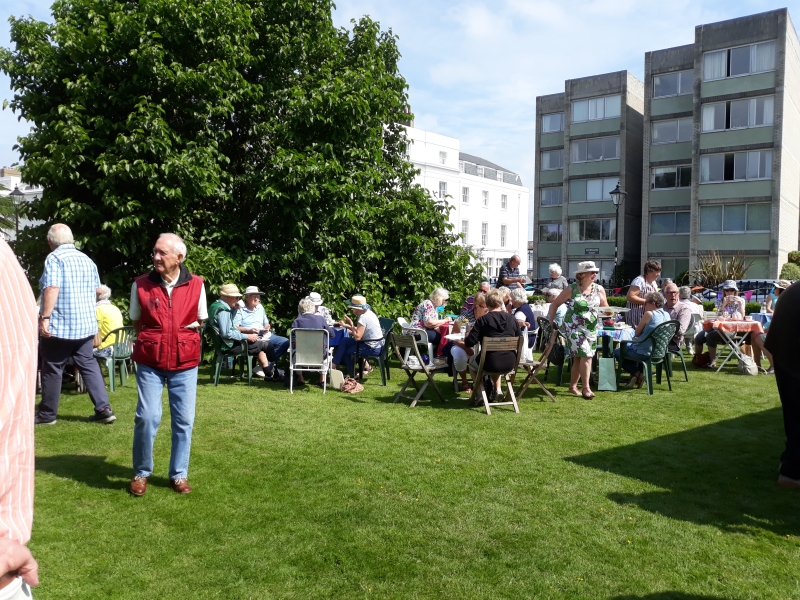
75 275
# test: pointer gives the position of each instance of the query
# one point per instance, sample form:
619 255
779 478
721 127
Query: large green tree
260 132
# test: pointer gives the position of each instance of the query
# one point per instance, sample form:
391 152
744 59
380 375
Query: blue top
646 348
251 318
75 276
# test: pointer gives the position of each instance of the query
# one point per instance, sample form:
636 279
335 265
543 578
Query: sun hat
253 289
730 284
781 284
315 298
587 267
359 302
230 290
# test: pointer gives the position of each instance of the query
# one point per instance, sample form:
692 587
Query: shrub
790 270
794 257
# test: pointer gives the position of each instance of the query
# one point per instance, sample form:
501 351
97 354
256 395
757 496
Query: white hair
306 306
439 294
59 234
178 245
556 268
551 292
105 292
519 295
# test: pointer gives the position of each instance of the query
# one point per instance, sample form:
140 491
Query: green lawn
339 496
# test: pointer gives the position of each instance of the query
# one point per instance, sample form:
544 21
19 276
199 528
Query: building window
591 230
503 236
465 230
735 218
669 178
503 201
442 190
672 131
498 262
442 158
485 198
591 190
594 109
551 196
673 84
550 232
606 268
669 223
465 195
673 267
736 166
605 148
488 267
744 60
553 122
484 234
738 114
552 159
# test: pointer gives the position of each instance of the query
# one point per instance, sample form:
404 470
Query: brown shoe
180 485
139 486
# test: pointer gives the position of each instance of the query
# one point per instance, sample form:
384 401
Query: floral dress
580 322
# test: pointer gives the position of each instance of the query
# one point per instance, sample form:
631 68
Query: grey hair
685 292
519 295
306 306
60 234
655 298
439 294
178 245
105 292
505 291
551 292
556 268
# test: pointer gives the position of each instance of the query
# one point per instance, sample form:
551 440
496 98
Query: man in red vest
167 308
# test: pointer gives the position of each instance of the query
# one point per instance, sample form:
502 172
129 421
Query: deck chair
124 337
407 347
309 355
495 345
659 356
533 368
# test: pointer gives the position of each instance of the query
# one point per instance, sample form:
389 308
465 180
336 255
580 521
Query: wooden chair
535 366
407 350
496 345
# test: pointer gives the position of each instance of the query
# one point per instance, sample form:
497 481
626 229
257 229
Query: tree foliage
257 130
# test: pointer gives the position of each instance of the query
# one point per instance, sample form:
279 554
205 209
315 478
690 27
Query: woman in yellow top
108 319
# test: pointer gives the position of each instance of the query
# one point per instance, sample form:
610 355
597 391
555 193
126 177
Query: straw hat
782 284
587 267
253 289
230 290
358 302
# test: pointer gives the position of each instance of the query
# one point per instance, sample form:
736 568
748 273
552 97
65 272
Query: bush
790 270
752 307
794 257
709 305
535 299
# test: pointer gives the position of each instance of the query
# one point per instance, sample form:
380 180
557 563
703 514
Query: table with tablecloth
763 318
618 334
729 329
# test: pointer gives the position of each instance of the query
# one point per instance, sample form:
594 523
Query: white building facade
490 204
11 179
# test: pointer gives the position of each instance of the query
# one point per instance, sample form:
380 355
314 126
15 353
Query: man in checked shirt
67 325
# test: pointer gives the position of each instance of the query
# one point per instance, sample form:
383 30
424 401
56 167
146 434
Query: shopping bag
607 375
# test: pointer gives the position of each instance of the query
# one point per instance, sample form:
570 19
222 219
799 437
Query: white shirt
135 310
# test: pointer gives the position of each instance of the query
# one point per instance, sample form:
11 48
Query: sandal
587 395
466 390
640 379
575 392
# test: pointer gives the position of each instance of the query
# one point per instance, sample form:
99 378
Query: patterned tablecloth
764 319
736 326
618 335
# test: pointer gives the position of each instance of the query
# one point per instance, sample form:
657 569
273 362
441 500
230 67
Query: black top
494 325
783 335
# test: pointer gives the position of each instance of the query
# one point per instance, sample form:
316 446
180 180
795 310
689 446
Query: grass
351 496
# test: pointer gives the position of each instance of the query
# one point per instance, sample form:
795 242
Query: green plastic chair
659 357
124 337
220 355
678 353
383 357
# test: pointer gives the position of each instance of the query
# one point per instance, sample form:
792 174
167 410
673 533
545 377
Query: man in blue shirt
251 318
509 274
67 326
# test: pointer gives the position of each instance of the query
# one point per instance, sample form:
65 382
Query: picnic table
764 319
729 330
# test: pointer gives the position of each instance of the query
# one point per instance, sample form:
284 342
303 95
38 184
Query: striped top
636 312
75 276
18 340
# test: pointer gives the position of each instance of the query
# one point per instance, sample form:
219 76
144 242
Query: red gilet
164 342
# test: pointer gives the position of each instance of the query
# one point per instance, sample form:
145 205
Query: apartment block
722 145
588 138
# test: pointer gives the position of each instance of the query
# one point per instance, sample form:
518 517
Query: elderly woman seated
654 315
732 309
109 318
368 329
557 280
465 322
550 296
428 315
309 318
524 314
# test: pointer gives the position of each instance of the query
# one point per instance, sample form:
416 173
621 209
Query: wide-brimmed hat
359 302
230 290
315 298
587 266
782 284
253 289
730 284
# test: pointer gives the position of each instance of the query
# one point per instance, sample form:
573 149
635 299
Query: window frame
560 200
677 178
583 229
442 157
559 233
442 186
602 199
728 61
674 222
722 219
586 141
543 152
484 233
680 75
561 127
464 194
747 162
727 117
677 130
595 98
503 234
485 198
465 230
503 201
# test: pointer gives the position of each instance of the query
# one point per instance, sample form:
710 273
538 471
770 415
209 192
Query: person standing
18 568
639 288
67 326
167 308
782 337
509 274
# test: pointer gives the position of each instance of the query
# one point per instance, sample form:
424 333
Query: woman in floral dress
580 324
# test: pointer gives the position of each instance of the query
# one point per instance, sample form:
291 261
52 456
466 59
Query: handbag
351 386
747 366
556 356
607 375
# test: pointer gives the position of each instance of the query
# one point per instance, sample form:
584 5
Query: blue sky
474 68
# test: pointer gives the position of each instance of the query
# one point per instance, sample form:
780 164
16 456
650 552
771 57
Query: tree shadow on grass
722 474
668 596
94 471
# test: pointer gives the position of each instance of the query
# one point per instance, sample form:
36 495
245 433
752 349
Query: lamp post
617 197
16 199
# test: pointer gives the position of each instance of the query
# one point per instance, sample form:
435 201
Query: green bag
607 375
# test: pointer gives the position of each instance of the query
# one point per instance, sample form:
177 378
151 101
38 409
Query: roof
483 162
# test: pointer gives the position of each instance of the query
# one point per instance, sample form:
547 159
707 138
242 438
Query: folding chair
419 334
407 347
309 355
124 337
535 366
496 345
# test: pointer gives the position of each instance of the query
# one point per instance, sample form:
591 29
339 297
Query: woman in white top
367 335
640 287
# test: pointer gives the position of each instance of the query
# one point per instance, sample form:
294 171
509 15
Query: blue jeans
346 352
181 389
279 344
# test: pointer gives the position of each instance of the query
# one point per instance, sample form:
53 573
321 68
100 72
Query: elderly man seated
251 318
222 313
469 303
678 311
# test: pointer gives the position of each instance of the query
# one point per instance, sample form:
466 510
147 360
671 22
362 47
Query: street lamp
617 197
16 199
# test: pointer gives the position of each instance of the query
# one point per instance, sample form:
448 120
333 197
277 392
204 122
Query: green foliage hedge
790 271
